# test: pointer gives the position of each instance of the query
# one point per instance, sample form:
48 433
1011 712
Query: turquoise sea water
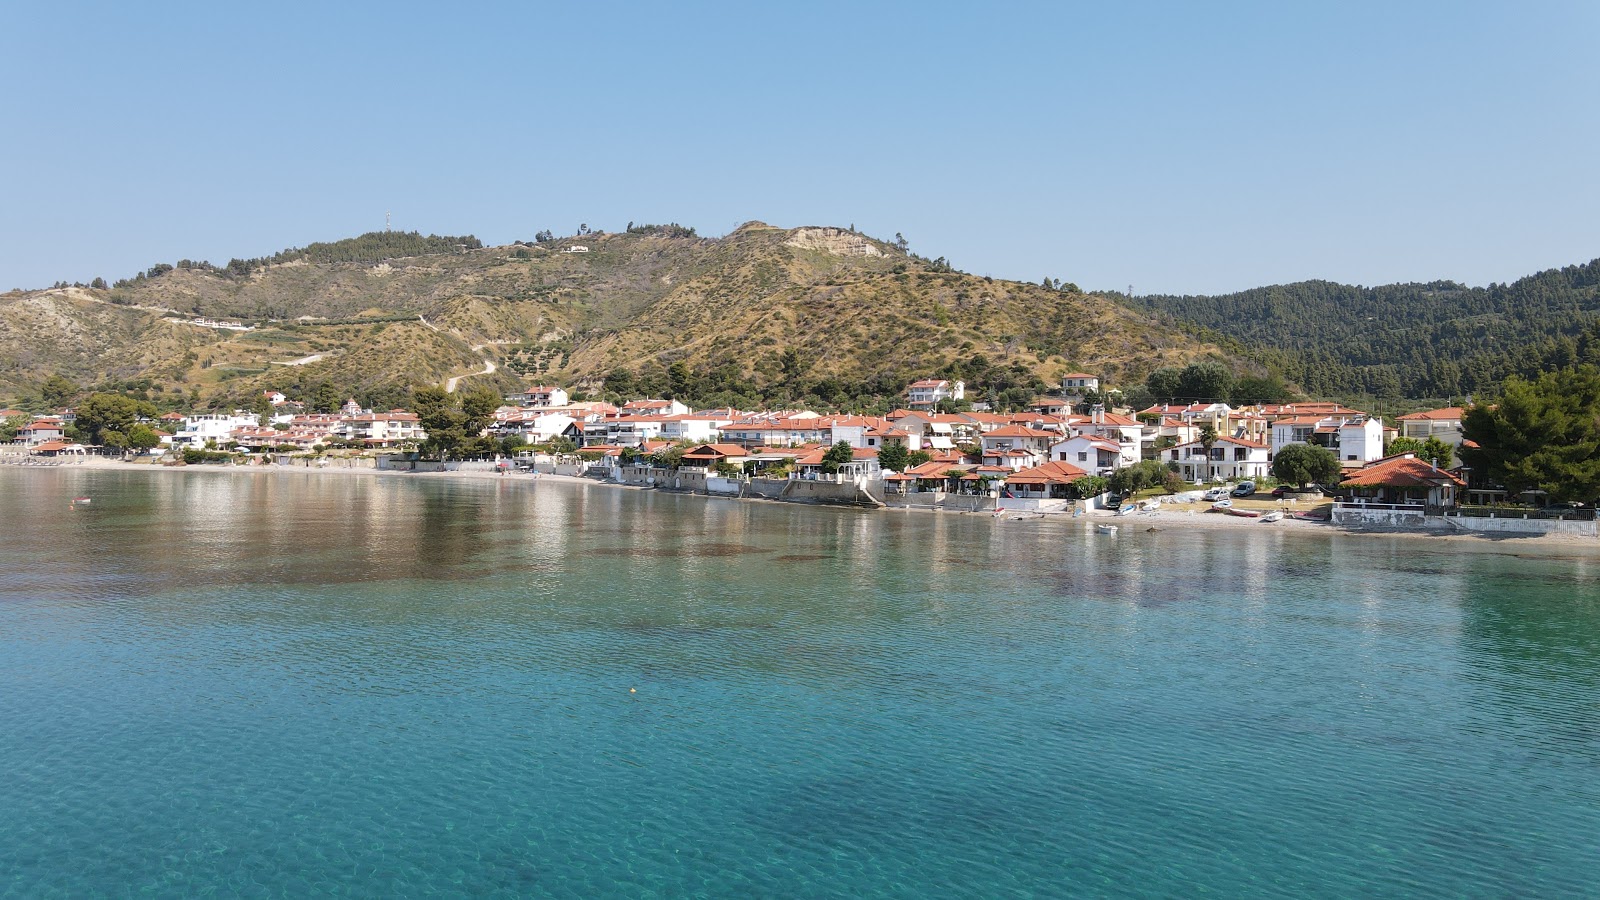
292 684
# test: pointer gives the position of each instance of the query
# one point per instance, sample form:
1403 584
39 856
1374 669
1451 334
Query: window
1083 456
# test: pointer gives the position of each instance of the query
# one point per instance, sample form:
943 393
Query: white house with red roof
197 429
1355 438
654 408
40 430
863 464
885 435
1405 480
1092 453
928 392
1076 384
384 430
1041 487
1230 459
1444 424
1052 406
697 427
257 437
1126 432
708 455
540 396
1019 437
536 425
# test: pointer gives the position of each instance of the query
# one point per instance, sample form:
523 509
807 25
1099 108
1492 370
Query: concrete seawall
1511 523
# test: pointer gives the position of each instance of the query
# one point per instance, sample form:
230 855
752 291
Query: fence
1476 520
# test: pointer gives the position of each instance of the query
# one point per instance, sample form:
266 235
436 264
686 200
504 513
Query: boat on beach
1105 529
1243 513
1222 505
1274 516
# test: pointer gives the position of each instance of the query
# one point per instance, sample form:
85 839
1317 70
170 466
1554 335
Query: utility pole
386 221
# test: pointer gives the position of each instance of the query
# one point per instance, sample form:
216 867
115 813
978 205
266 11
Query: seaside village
1060 456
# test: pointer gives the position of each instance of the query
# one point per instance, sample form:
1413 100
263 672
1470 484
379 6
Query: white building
1077 384
1351 438
927 393
692 427
1092 454
1019 437
1230 459
219 427
540 396
39 431
654 408
624 431
390 429
1126 432
538 427
1444 424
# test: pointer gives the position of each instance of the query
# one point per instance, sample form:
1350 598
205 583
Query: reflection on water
301 683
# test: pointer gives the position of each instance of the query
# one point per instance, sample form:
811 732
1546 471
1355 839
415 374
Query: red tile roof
1447 414
715 451
1402 471
1048 473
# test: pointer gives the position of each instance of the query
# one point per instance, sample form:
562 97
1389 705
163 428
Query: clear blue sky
1181 147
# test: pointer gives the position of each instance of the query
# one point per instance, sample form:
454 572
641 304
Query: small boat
1105 529
1150 504
1274 516
1127 509
1222 505
1244 513
81 500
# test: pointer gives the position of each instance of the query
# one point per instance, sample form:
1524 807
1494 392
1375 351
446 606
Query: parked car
1245 489
1281 490
1215 494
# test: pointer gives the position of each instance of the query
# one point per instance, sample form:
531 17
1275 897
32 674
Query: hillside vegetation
763 315
1435 340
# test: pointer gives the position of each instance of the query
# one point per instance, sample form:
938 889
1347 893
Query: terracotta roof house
1444 424
1405 480
1047 481
711 454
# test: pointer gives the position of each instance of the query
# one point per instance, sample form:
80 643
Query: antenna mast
386 221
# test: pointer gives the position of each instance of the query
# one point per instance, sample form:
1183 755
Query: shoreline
1160 520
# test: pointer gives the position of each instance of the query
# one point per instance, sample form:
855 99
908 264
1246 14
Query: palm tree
1208 439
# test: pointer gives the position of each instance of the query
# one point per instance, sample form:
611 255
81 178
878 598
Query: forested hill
1435 340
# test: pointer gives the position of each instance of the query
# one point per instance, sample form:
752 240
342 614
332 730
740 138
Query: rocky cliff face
837 241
